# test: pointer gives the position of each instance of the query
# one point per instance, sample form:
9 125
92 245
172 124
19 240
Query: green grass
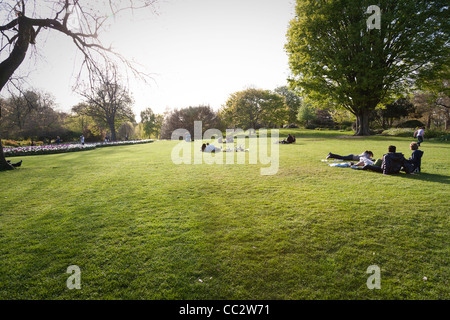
141 227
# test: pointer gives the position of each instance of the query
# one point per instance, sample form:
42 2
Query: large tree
255 108
337 52
185 119
108 101
81 21
151 122
32 114
292 101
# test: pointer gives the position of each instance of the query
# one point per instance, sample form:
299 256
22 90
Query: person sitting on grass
375 166
416 157
394 162
351 157
290 139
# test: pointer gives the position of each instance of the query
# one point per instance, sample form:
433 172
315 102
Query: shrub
431 134
10 143
399 132
409 132
411 124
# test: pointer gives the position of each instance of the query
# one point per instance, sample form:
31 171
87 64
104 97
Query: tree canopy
185 119
334 55
255 108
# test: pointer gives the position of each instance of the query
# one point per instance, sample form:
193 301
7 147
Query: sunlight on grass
141 227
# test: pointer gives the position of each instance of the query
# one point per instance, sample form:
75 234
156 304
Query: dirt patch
351 137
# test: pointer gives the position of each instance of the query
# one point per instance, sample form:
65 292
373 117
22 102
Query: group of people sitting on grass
391 163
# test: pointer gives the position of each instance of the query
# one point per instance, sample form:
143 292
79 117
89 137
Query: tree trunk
10 65
362 123
3 164
112 128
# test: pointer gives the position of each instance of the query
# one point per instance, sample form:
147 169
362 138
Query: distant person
419 133
15 165
210 148
416 157
351 157
82 139
290 139
58 140
394 162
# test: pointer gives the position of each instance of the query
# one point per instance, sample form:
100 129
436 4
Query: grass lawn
141 227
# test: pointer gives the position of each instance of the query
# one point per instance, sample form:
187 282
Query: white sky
198 52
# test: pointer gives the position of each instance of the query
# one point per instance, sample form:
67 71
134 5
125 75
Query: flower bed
62 148
120 143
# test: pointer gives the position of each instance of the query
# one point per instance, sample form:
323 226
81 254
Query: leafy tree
185 118
292 101
401 107
434 98
23 21
32 114
433 107
127 131
151 122
333 54
306 114
254 108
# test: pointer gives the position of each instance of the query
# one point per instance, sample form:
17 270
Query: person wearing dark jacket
15 165
394 161
290 139
416 157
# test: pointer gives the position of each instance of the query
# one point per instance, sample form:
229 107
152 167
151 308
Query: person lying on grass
210 148
15 165
351 157
363 159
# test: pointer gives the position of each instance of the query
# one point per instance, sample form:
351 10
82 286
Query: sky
198 52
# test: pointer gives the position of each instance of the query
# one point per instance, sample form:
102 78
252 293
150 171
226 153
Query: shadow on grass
427 177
